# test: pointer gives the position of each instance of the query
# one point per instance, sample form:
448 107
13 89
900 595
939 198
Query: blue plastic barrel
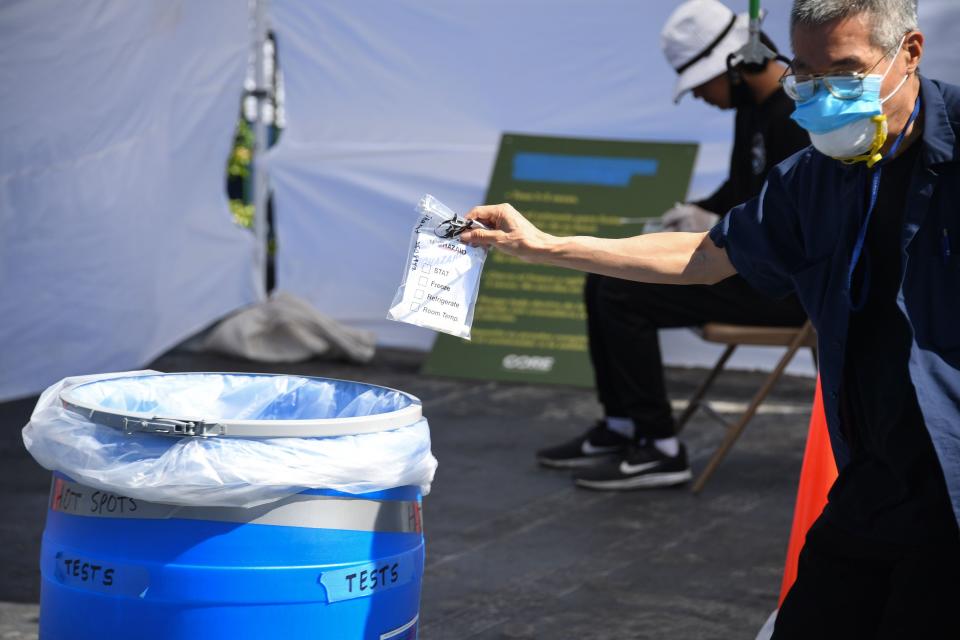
114 567
318 564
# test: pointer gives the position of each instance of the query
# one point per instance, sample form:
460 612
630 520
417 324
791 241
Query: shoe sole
575 463
637 482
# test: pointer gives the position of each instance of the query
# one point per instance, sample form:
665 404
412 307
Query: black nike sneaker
644 466
596 446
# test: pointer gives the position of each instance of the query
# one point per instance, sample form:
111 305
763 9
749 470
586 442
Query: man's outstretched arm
666 258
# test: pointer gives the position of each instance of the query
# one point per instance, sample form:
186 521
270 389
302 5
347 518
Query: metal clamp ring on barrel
155 425
195 427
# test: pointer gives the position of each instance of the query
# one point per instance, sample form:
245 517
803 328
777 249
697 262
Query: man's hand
507 230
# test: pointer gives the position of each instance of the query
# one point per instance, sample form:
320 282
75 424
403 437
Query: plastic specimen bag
442 276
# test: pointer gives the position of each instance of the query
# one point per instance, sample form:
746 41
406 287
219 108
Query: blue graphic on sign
591 170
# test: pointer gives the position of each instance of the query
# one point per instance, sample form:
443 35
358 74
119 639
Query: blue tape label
362 580
98 575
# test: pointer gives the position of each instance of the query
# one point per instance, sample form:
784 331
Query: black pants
853 587
622 322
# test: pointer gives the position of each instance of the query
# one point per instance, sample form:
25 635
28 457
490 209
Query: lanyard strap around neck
857 304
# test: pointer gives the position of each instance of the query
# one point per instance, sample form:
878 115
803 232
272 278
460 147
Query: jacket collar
939 140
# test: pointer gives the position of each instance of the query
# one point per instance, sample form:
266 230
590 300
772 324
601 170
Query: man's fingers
489 214
481 237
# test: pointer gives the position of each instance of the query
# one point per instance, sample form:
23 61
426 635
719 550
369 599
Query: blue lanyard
856 305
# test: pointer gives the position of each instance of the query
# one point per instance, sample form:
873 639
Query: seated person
635 445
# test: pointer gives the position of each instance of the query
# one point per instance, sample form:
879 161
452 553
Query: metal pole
754 51
261 92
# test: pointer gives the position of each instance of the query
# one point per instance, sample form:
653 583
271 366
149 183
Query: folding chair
793 338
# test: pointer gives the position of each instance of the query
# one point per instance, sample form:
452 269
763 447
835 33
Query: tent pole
261 92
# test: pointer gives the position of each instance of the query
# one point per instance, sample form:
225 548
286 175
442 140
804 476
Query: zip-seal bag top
440 283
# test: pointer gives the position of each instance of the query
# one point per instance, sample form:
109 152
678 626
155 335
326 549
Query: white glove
688 217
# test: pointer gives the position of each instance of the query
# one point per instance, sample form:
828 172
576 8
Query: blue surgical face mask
853 130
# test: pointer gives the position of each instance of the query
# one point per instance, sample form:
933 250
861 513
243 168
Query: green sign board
529 324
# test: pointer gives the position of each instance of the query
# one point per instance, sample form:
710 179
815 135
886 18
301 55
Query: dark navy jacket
798 234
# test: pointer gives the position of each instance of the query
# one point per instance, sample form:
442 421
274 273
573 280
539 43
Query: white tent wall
386 101
116 241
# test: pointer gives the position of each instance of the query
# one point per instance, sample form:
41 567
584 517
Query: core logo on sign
515 362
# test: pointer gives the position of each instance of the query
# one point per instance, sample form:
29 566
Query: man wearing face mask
635 446
863 227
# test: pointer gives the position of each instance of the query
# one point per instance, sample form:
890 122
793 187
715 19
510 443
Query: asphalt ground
514 550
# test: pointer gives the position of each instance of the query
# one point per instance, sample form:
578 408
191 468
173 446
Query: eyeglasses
845 85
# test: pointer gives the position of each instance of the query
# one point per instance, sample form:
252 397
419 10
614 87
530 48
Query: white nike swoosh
593 450
630 469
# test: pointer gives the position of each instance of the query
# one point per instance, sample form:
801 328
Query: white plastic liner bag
442 276
227 471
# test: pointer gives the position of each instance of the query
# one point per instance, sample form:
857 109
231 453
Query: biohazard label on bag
439 288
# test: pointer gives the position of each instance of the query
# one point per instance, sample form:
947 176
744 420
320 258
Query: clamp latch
171 427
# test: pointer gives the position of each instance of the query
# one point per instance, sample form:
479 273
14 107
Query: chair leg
736 429
694 402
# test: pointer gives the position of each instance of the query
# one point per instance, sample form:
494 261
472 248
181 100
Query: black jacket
763 135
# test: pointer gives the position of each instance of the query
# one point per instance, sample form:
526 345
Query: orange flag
816 477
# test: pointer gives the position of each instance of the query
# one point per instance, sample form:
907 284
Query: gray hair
889 19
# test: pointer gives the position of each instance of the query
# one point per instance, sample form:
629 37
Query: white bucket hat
698 37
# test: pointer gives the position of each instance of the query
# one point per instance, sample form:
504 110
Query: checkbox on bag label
425 268
423 281
419 294
414 307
